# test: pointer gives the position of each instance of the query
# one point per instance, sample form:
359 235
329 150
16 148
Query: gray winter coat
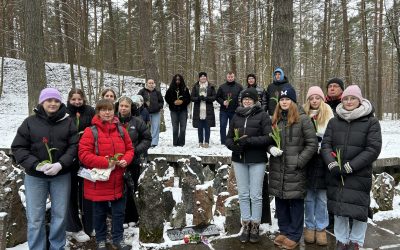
287 176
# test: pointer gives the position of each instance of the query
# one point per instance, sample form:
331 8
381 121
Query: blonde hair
324 112
293 114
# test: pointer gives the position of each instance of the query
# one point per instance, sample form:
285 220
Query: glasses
106 110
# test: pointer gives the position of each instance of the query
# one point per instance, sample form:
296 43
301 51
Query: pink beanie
315 90
353 90
48 93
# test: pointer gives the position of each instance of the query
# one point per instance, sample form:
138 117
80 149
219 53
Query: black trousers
131 212
78 203
290 214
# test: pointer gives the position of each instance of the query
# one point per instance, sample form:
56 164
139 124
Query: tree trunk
197 49
365 49
324 47
114 67
380 63
213 47
60 41
346 40
146 41
232 37
283 37
35 65
66 8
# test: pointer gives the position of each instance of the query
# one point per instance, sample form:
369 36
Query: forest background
311 40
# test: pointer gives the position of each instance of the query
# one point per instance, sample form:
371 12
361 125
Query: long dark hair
173 84
79 92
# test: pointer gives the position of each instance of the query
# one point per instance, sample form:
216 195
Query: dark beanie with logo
202 74
288 92
336 80
250 93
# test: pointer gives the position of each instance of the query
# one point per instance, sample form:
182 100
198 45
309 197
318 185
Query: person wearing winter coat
352 142
82 115
154 102
178 99
334 89
279 82
203 95
113 152
228 98
141 139
45 146
248 138
287 175
252 83
141 111
316 212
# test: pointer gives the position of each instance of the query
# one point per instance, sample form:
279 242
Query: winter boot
353 246
309 236
321 238
101 245
279 239
245 235
341 246
255 232
289 244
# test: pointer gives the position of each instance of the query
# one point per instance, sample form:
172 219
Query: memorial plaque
178 234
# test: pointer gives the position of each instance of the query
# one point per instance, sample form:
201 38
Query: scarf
364 109
203 107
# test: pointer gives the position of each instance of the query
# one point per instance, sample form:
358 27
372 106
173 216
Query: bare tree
35 65
283 36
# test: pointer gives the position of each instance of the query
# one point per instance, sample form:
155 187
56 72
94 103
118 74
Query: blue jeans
118 216
344 234
37 190
290 214
316 211
250 178
155 128
223 122
203 131
179 121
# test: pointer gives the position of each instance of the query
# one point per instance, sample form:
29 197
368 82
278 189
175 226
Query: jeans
250 178
223 122
37 190
155 128
118 216
343 233
204 131
316 211
179 121
290 214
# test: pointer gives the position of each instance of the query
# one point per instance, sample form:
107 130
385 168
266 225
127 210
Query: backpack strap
96 135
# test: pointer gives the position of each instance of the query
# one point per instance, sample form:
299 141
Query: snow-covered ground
13 110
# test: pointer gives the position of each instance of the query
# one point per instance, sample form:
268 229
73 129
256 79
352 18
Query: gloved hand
348 168
42 168
237 149
244 140
202 98
275 151
53 169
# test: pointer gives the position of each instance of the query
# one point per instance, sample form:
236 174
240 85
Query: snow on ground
13 110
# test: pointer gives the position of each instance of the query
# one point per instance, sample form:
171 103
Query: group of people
320 156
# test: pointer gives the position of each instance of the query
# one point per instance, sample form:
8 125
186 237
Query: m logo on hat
284 92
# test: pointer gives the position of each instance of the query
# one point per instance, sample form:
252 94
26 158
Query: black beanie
336 80
288 92
202 74
251 93
251 75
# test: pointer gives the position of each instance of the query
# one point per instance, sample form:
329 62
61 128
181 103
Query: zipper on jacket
283 129
244 132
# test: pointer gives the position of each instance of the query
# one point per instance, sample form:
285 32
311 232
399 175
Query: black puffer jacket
231 89
86 114
59 130
287 176
256 124
210 115
172 95
139 134
272 92
153 100
360 142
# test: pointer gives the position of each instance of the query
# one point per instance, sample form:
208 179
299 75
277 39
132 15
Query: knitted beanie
49 93
315 90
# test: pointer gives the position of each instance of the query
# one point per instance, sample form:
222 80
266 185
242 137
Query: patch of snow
3 214
205 186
